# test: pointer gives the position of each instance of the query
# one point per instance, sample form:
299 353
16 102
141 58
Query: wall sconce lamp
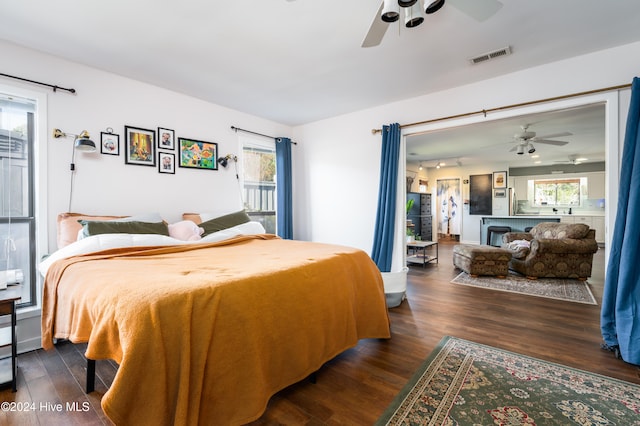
223 161
82 143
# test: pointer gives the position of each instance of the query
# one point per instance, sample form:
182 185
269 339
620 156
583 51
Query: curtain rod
54 87
237 129
485 111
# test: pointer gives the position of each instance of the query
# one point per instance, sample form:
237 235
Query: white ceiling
297 61
492 141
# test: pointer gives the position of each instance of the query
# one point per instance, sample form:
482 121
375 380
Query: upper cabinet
520 187
596 184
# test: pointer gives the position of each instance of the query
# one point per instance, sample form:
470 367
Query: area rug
552 288
465 383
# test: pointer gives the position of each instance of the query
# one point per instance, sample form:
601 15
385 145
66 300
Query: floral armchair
551 249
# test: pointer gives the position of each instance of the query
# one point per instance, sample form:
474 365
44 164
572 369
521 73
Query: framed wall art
166 139
500 193
109 143
140 146
449 211
166 162
499 180
197 154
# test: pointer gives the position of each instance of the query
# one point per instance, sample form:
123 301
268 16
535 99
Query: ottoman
482 260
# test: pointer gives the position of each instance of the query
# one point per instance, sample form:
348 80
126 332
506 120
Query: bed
207 331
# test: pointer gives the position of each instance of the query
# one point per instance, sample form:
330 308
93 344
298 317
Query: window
17 199
259 181
557 192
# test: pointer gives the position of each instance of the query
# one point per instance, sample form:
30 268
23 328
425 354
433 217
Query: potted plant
410 202
410 233
411 236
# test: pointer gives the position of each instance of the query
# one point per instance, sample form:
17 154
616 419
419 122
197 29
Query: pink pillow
185 230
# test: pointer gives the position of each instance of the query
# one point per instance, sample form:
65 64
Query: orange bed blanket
206 334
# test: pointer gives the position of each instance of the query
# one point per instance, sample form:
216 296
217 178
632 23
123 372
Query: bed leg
91 375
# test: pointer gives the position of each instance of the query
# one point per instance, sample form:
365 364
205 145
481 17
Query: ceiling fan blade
550 142
514 148
480 10
556 135
376 31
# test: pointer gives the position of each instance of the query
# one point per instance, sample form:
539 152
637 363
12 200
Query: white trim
28 319
612 142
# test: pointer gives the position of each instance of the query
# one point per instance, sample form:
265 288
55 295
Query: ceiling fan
573 159
390 11
525 140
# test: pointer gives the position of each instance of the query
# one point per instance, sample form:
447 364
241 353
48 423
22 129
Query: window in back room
557 192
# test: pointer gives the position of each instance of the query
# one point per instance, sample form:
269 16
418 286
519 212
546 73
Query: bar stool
496 230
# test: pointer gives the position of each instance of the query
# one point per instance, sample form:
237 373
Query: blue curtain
386 214
620 314
284 209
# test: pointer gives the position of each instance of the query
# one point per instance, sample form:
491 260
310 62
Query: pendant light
413 16
407 3
432 7
390 11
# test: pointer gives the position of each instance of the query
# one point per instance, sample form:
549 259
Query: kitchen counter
595 214
516 223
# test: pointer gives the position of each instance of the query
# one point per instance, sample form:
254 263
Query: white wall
338 168
336 162
104 184
470 226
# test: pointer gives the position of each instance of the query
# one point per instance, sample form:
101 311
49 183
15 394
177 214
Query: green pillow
224 222
95 227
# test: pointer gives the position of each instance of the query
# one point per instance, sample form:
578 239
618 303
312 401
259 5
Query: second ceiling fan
414 11
526 138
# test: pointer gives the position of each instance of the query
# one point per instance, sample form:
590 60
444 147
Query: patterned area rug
465 383
552 288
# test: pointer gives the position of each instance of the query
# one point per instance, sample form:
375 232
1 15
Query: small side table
9 366
420 250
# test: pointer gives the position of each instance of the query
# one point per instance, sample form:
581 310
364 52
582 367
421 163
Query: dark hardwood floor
355 387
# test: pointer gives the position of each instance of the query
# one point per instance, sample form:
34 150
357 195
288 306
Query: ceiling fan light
406 3
390 11
413 16
520 150
531 149
432 6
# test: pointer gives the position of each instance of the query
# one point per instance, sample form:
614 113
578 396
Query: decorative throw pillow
185 230
148 217
225 222
92 227
69 226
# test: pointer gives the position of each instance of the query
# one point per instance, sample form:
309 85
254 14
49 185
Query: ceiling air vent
491 55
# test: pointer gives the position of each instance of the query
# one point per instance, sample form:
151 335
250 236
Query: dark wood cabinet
420 215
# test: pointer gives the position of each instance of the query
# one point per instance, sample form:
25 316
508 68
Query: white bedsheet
110 241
